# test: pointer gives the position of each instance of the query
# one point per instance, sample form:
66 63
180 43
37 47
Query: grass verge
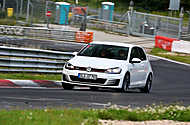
30 76
8 21
185 58
90 117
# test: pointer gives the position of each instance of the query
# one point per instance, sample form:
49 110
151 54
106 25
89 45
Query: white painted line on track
169 60
37 99
108 105
99 104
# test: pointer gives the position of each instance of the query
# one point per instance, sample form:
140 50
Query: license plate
87 76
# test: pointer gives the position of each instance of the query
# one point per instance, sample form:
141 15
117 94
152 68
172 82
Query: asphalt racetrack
171 85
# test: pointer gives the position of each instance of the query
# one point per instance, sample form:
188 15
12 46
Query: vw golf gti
109 65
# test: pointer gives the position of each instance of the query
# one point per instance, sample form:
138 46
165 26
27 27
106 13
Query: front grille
99 80
92 70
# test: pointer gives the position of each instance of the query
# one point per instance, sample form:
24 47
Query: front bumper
103 80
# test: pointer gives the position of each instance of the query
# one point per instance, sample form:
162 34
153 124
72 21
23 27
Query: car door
134 68
143 65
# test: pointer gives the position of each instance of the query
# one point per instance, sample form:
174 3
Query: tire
126 83
94 88
148 85
67 86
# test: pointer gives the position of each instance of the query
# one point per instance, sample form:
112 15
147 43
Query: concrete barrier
11 30
181 46
164 42
173 45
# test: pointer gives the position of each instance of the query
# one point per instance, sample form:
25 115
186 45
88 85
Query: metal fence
99 24
116 17
141 24
136 23
53 34
144 24
26 11
186 30
32 60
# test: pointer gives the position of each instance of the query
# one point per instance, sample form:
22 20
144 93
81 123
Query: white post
28 11
21 4
180 23
47 19
4 2
16 9
76 1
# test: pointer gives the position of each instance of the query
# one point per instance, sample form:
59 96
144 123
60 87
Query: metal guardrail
38 32
54 34
32 60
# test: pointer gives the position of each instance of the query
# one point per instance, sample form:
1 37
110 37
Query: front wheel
126 83
67 86
148 85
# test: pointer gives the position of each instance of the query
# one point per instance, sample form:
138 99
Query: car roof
115 44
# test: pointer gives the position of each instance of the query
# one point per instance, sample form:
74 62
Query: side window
142 54
134 53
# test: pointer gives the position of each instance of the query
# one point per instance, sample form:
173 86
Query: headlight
69 66
116 70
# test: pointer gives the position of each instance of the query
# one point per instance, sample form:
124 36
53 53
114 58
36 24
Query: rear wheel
67 86
148 85
126 83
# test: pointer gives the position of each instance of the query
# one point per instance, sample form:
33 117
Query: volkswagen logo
89 69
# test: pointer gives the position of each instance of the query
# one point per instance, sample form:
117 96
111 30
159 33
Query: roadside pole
17 9
130 15
28 11
84 21
4 2
76 2
21 4
48 14
180 23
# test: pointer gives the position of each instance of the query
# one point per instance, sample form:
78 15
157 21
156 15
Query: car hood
94 62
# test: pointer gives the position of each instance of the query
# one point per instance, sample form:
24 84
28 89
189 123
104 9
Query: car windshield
105 51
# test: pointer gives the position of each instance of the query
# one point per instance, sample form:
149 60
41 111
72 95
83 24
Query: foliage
154 112
149 5
67 116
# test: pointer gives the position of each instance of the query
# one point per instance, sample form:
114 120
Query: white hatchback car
109 65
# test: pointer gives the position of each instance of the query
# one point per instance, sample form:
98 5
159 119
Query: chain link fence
93 21
25 11
144 24
140 24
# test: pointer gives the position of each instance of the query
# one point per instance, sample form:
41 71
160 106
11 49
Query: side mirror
75 53
135 60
